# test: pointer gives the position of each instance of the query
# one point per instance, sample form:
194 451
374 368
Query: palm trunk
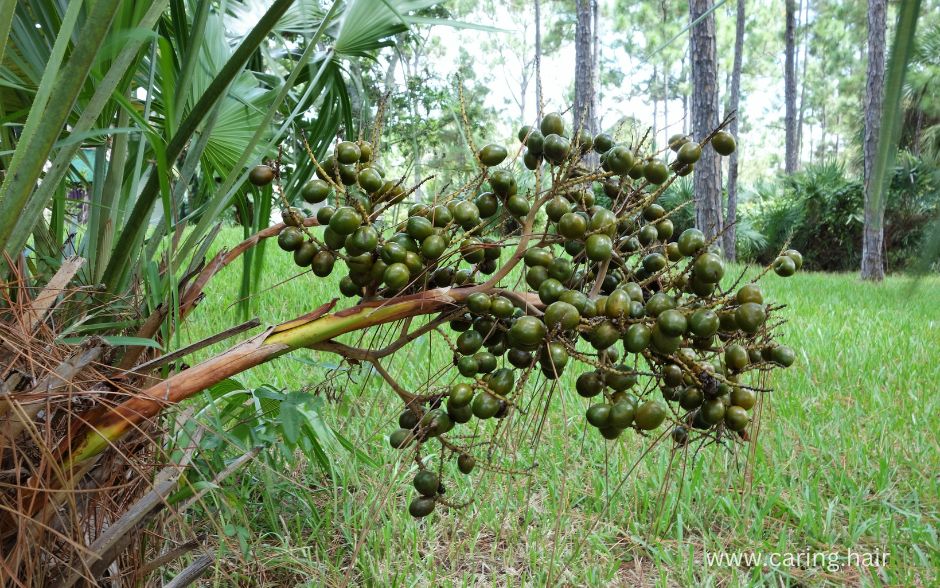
873 234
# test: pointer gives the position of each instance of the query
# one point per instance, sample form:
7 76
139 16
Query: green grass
847 458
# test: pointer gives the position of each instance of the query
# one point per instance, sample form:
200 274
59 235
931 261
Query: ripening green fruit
672 323
469 342
487 204
655 262
503 183
427 483
472 250
784 266
736 418
530 160
364 239
636 338
712 411
617 304
649 415
526 333
749 293
655 172
421 506
348 153
708 268
400 438
750 316
598 247
323 263
468 366
598 415
524 132
554 358
261 175
557 207
783 355
466 463
517 205
535 276
396 276
433 246
535 144
419 228
315 191
572 225
658 303
290 239
324 215
493 155
603 335
485 405
562 315
691 398
345 220
689 153
603 143
743 397
796 256
365 151
619 160
621 377
736 357
537 256
556 148
552 123
621 414
550 290
703 323
724 143
664 229
460 414
663 343
690 241
676 141
501 307
460 395
370 180
589 384
303 255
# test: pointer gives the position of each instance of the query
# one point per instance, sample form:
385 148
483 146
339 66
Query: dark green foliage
822 208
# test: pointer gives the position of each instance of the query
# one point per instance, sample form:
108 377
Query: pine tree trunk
583 69
729 238
703 51
873 234
789 90
595 66
802 64
538 58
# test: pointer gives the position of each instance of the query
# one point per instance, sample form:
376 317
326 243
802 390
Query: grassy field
847 461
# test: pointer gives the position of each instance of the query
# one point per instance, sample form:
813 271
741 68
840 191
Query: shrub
821 210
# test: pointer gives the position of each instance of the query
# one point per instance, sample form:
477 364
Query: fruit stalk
101 427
